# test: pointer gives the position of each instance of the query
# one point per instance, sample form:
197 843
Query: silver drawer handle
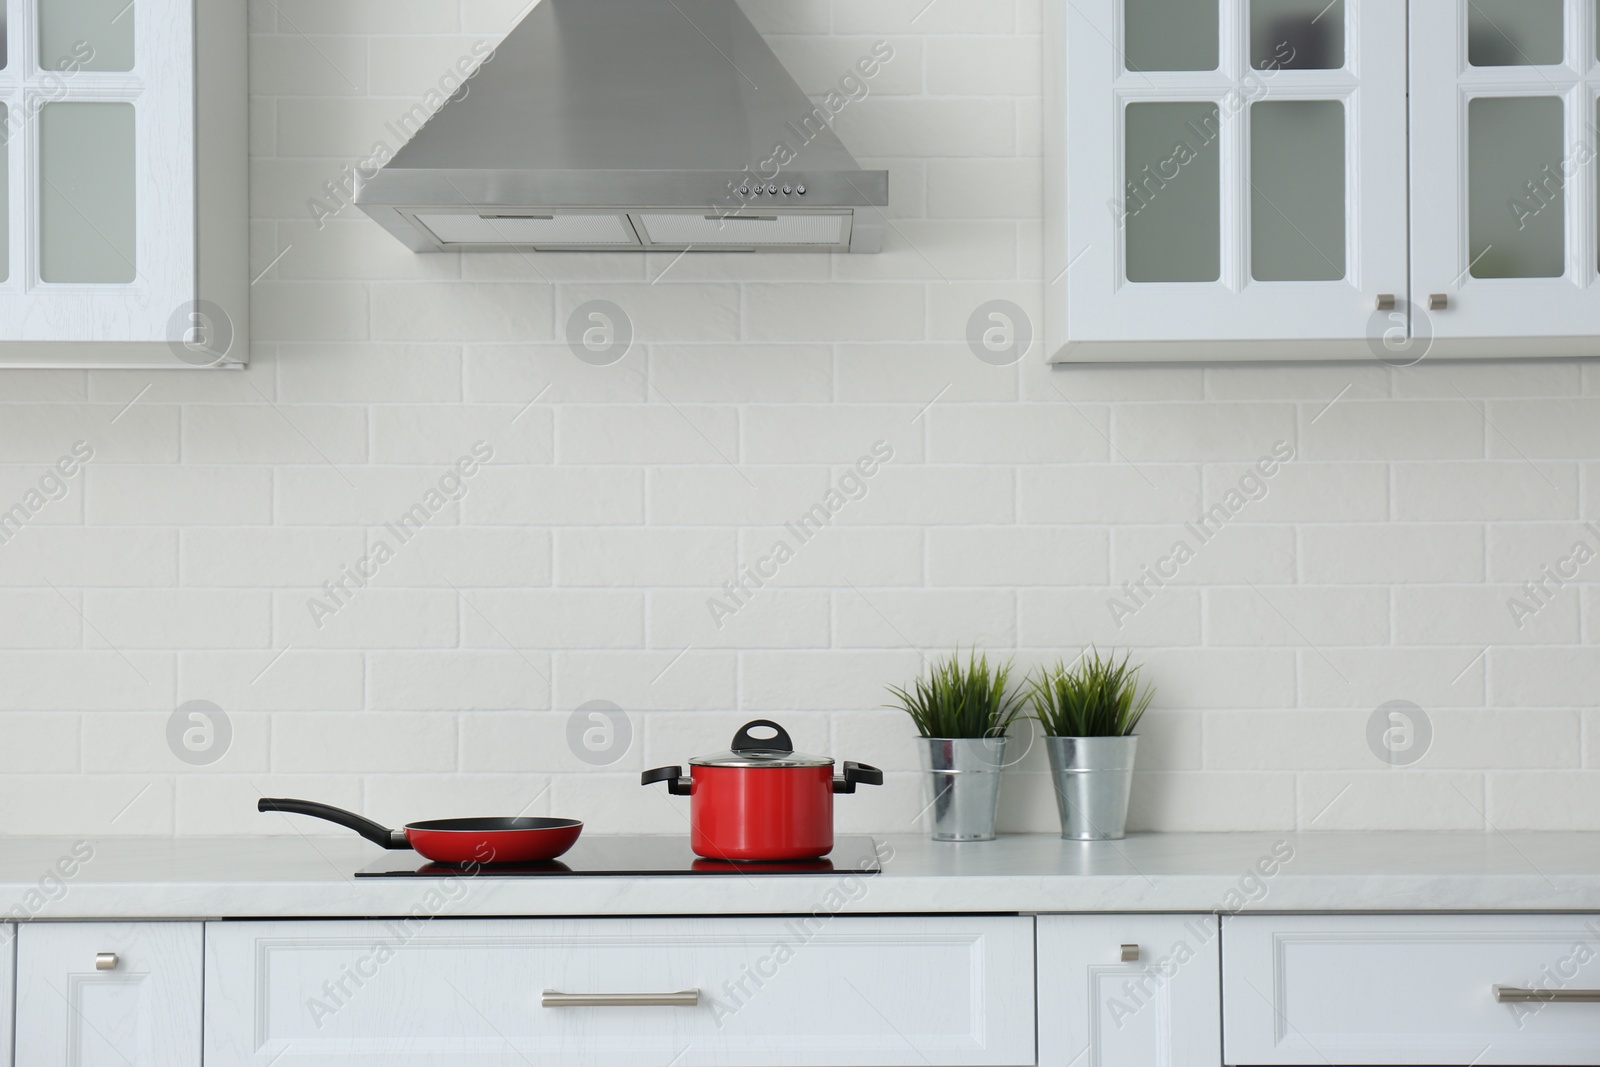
685 998
1505 994
105 961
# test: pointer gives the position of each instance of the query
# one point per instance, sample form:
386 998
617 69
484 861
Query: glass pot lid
761 743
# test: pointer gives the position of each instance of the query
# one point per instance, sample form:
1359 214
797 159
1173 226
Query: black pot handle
744 741
377 833
677 784
857 774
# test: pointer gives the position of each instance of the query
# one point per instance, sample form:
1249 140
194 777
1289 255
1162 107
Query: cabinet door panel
1502 159
1259 201
142 1012
1162 1010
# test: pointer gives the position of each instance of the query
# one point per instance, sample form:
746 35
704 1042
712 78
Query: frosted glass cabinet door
1160 1010
1503 185
1231 174
99 194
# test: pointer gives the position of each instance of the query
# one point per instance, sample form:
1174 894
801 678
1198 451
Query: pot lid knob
778 743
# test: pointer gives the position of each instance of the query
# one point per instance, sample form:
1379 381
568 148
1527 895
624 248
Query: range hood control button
744 190
787 190
773 189
800 189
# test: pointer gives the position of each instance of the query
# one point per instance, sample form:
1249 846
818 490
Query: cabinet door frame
1094 315
215 304
56 964
1169 997
1494 316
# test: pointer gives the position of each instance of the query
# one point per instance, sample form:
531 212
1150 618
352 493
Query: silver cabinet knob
1385 301
105 961
1438 301
1130 953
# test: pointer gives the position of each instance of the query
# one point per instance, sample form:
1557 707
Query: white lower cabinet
690 992
108 994
8 949
1412 989
1159 1010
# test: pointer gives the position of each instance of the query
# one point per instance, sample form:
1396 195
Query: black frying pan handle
374 832
744 742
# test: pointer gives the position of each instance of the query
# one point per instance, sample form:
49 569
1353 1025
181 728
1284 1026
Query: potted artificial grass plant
962 711
1089 712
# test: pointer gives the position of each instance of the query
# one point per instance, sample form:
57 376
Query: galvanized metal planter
1093 777
964 776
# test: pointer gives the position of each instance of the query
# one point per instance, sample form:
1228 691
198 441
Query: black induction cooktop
616 855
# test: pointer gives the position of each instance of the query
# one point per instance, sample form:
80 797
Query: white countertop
160 878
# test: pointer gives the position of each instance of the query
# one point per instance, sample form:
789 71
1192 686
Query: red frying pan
454 841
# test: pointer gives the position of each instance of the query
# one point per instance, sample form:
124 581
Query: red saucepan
762 800
453 841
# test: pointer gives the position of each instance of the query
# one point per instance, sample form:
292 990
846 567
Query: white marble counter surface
156 878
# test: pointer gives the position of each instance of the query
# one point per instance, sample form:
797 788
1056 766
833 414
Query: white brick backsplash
829 434
771 682
40 618
994 433
779 374
272 679
343 374
1277 616
187 496
1120 493
1234 555
630 509
1304 492
40 743
467 681
453 311
1378 800
1017 556
441 434
1483 615
1398 553
497 373
830 558
1065 618
654 433
920 374
511 496
884 311
1204 432
644 557
136 743
250 558
177 618
553 618
1514 490
366 618
1390 430
329 742
689 680
1201 800
664 312
924 619
358 496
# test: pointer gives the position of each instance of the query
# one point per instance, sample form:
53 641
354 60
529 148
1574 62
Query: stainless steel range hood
629 125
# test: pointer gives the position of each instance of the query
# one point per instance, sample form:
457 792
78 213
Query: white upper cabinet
122 190
1503 174
1280 179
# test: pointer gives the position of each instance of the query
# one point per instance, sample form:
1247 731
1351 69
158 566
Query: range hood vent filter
707 231
490 229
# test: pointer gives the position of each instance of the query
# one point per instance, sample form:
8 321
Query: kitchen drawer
139 1007
1409 989
467 992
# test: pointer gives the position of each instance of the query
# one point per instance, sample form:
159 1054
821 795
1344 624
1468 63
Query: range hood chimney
629 125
